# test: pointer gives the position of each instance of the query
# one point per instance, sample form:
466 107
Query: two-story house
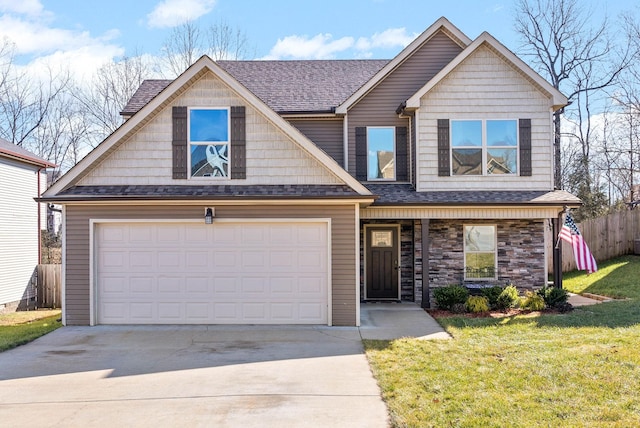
291 191
22 220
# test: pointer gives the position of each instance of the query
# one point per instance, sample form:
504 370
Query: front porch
392 265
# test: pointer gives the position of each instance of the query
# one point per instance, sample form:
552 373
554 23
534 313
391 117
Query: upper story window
209 142
381 153
483 147
480 260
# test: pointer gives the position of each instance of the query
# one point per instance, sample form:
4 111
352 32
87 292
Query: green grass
23 327
571 370
618 278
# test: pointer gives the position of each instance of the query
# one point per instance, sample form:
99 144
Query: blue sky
85 34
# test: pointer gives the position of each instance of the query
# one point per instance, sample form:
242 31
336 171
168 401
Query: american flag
571 234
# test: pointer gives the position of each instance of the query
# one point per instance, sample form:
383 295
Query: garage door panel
197 311
172 273
113 260
226 285
141 284
197 285
169 259
141 260
141 234
170 234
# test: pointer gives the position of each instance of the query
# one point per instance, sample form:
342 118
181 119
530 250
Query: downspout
39 218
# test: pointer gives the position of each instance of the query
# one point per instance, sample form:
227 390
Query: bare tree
27 101
112 87
187 43
182 48
578 59
227 43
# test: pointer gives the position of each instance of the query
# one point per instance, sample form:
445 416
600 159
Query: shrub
554 297
533 301
447 297
508 298
492 294
477 304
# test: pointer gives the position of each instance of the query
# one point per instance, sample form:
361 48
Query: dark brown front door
382 263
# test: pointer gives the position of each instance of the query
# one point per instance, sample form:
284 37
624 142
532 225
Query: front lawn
21 327
576 369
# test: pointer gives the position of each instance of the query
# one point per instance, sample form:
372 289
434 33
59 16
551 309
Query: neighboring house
309 215
54 212
22 178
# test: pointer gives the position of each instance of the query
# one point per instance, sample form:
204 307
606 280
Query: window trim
395 152
190 175
484 147
495 251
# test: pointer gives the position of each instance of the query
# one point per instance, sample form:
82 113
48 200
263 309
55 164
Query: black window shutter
444 160
402 167
238 143
525 147
361 153
179 142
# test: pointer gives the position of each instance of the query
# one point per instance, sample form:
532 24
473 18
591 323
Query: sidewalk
586 299
389 321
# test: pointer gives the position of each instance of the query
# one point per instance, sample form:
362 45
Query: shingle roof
178 192
386 194
313 86
146 92
405 194
9 149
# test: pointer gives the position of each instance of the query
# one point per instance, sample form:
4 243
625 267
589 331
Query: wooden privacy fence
607 237
49 286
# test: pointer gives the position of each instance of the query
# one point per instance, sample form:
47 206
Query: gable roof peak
558 100
441 24
202 66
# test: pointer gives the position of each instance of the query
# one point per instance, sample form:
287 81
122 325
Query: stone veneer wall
521 253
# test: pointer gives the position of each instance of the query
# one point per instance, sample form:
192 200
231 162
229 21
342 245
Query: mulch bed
439 313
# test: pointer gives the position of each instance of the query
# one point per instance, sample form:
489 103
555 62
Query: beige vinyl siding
18 229
485 86
146 157
325 133
458 213
378 107
343 251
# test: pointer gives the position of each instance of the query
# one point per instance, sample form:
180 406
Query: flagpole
557 251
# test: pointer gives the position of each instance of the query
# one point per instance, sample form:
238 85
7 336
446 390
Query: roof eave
558 204
27 159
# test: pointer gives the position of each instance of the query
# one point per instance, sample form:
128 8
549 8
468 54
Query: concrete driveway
222 376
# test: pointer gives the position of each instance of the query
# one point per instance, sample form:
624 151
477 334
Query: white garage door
224 273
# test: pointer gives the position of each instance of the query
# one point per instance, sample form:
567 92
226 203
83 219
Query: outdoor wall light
208 216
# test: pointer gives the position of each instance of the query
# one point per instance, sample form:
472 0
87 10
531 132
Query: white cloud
390 38
24 7
35 37
171 13
321 46
81 62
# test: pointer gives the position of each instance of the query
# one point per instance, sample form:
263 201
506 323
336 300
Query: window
483 147
381 153
480 252
209 142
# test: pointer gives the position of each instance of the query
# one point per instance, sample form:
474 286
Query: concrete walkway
586 299
389 321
